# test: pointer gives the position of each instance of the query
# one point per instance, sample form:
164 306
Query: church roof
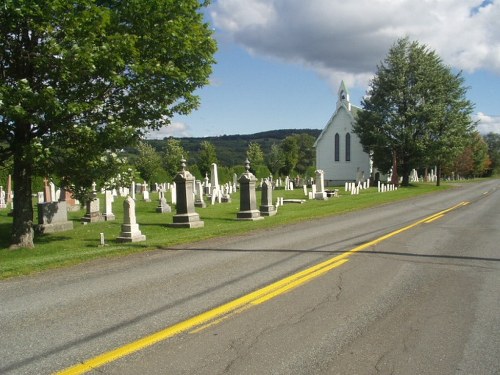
343 101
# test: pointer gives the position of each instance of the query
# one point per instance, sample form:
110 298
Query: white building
338 150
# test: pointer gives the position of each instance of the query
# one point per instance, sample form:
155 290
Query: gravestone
267 208
173 193
185 216
206 185
248 201
72 204
235 182
53 217
3 203
163 206
214 178
320 185
108 198
130 229
46 191
199 201
53 196
92 214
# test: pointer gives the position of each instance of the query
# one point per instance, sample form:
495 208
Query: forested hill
231 149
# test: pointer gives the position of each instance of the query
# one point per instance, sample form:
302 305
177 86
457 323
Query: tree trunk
22 227
405 172
395 176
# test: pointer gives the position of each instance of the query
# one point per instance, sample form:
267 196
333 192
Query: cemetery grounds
83 243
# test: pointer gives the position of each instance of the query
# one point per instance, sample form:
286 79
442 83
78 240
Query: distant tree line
276 153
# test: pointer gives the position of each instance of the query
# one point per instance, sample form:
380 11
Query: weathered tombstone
53 217
173 193
235 182
199 201
248 201
71 203
53 192
108 198
225 196
185 216
214 178
320 185
267 208
145 196
3 203
163 206
46 191
206 185
92 214
130 229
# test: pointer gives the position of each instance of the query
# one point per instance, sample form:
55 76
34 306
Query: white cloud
346 39
175 129
488 124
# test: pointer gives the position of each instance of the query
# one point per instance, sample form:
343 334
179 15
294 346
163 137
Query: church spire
343 97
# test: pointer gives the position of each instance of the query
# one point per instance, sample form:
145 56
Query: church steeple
343 97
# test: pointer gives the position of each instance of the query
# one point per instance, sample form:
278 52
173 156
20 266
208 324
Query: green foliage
481 158
172 155
149 162
206 157
275 159
255 154
297 154
82 78
231 149
415 111
262 172
493 142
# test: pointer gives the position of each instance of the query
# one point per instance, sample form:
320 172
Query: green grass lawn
83 242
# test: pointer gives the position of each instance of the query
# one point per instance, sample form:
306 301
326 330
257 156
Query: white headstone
214 177
108 214
173 193
130 228
3 203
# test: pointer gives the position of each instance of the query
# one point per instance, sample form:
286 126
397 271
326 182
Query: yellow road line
434 218
257 297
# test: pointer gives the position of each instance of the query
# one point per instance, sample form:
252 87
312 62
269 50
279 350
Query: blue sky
280 62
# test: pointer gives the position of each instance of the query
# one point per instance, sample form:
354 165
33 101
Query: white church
338 150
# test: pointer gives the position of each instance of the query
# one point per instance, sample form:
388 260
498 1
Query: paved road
424 301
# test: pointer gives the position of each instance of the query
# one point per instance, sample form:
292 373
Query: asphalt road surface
408 288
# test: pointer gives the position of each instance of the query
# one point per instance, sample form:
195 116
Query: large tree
173 153
493 141
149 162
415 111
298 153
206 157
94 71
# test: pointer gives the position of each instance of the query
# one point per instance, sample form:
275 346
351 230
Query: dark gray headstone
248 201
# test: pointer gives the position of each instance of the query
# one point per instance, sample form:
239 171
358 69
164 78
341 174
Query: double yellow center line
259 296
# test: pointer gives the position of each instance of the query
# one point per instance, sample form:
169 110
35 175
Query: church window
337 147
348 147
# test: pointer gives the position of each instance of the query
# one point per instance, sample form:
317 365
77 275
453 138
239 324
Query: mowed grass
83 242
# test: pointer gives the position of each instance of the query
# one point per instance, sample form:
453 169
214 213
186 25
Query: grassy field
83 242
